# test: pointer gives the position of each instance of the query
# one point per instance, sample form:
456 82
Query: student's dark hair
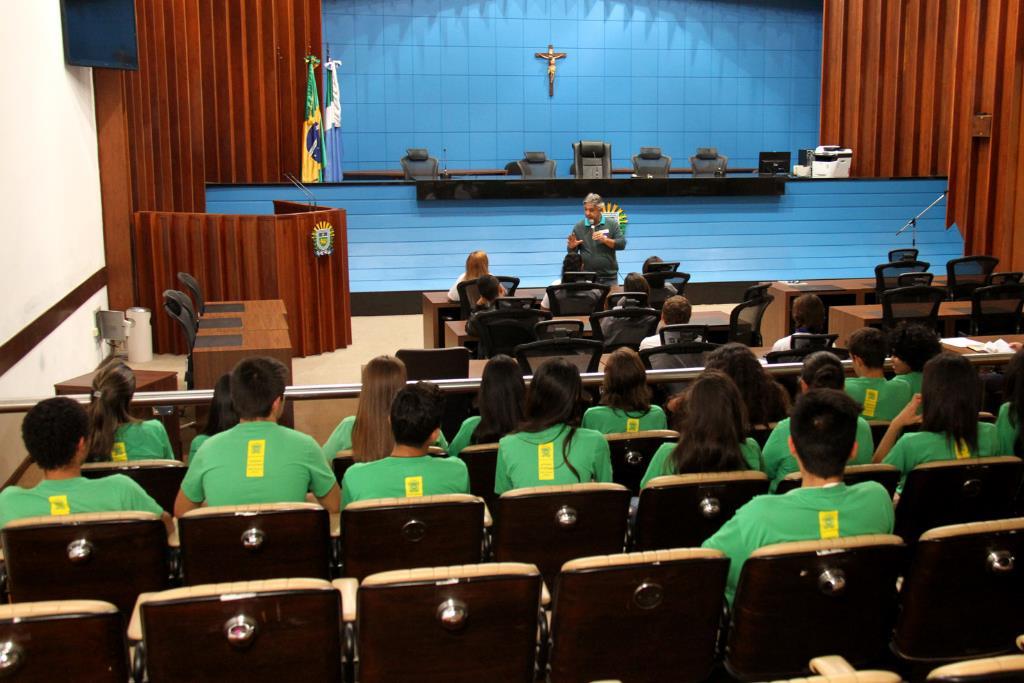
415 414
766 400
255 384
222 415
500 399
950 391
635 282
489 287
823 370
555 397
52 429
809 312
112 389
870 345
824 428
676 310
1013 391
712 425
625 382
572 263
915 344
646 267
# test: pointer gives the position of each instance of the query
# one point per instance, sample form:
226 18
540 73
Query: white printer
832 161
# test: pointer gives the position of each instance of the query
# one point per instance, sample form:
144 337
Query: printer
832 161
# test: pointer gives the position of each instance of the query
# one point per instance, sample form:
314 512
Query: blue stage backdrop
818 229
739 75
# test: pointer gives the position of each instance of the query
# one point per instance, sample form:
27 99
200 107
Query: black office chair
745 321
512 168
911 279
585 354
918 304
966 274
663 285
756 291
592 159
192 285
815 342
429 364
502 331
503 303
674 334
559 329
887 274
707 162
1005 278
578 276
684 354
662 267
536 165
186 318
627 300
469 293
651 163
903 255
620 327
996 309
419 165
577 298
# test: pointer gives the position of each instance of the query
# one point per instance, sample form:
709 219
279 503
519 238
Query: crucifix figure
551 56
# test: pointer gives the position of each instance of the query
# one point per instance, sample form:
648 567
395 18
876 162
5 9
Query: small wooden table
217 351
844 320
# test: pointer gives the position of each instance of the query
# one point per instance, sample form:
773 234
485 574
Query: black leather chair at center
536 165
887 274
576 298
619 327
419 165
966 274
585 354
996 309
903 255
430 364
664 284
469 294
745 321
502 331
915 304
707 162
651 163
592 159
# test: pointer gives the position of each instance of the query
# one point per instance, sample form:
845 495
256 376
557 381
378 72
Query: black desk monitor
773 163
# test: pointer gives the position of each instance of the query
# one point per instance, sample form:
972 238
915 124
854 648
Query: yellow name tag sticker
255 456
119 453
546 461
828 524
870 402
632 424
413 487
962 450
59 505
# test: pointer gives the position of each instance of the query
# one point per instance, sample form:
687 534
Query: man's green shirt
536 459
779 460
56 497
879 398
393 477
660 464
614 421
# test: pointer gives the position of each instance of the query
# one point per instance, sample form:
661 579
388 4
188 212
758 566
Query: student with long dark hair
766 400
625 398
501 405
712 432
949 402
550 447
222 415
1011 413
821 370
114 435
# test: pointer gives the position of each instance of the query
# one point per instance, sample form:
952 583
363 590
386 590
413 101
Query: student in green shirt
54 432
258 460
912 346
114 434
949 419
409 472
625 398
821 370
712 428
824 426
1011 413
549 447
879 399
501 405
221 418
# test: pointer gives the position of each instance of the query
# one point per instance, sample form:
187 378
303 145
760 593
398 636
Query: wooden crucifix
551 56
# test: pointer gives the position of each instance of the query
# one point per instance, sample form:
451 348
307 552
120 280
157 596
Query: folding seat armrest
1020 642
349 588
831 665
488 520
545 596
135 623
335 525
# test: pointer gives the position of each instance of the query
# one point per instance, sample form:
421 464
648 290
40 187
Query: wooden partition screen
238 257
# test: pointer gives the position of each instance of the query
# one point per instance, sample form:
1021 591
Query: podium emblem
617 212
323 239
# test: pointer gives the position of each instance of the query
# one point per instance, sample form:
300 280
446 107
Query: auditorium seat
501 331
966 274
458 624
253 631
887 274
745 321
963 595
957 491
63 640
1004 668
417 164
399 533
673 334
482 461
519 302
903 255
835 669
340 464
623 327
631 453
659 611
111 556
585 354
251 542
915 304
550 525
996 309
576 298
537 165
627 300
707 162
192 285
469 294
910 279
651 163
430 364
664 284
1005 278
684 510
186 319
558 329
161 479
835 596
886 475
684 354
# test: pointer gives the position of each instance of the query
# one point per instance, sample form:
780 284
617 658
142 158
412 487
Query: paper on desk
959 342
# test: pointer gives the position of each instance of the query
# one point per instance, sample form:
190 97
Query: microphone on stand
302 188
444 170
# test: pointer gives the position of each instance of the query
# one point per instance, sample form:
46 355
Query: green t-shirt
114 493
393 477
661 466
915 448
141 441
614 421
1006 431
464 437
536 459
196 443
257 462
881 399
802 514
341 439
912 380
779 461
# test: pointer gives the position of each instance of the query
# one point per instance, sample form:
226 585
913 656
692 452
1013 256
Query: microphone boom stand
912 223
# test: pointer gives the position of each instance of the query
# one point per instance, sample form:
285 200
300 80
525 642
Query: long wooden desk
844 320
1019 338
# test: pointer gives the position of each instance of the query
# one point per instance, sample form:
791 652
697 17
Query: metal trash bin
140 335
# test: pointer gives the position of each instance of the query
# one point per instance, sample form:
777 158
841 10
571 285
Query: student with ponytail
550 447
114 435
1011 413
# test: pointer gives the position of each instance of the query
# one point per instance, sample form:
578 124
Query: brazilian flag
312 129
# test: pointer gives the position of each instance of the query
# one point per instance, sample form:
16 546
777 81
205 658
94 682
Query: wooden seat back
482 462
161 479
631 453
886 475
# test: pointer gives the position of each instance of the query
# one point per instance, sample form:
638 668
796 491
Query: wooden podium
246 257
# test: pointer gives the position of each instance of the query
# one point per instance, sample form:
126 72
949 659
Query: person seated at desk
808 318
1011 413
913 345
408 472
675 311
501 405
625 398
572 263
489 290
257 460
114 435
634 282
880 399
477 265
54 432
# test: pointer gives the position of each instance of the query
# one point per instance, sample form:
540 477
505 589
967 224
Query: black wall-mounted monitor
773 163
100 33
